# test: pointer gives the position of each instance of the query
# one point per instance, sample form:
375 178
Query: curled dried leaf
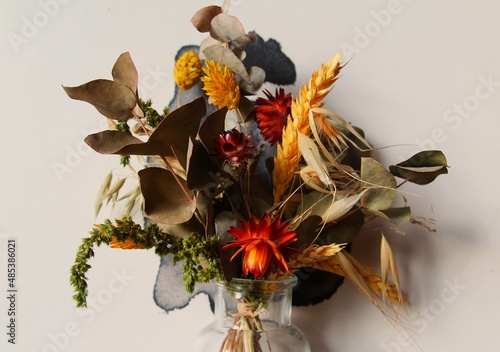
422 168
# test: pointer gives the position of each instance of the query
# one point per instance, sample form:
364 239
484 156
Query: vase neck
270 300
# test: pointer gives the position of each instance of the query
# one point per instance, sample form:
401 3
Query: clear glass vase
253 316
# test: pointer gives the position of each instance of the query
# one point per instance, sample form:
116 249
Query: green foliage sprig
198 253
153 118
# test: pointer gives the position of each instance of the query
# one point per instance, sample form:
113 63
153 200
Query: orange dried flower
263 242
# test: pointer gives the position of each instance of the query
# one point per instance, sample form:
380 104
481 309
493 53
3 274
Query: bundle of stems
246 332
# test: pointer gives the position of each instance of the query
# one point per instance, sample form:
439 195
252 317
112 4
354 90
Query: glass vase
253 316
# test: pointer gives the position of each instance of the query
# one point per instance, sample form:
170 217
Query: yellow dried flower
220 85
187 70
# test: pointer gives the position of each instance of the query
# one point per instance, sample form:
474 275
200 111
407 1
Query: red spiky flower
233 146
263 241
272 114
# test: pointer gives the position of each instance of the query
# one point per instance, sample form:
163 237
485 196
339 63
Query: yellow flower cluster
220 85
187 70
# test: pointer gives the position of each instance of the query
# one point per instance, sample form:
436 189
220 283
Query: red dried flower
272 114
233 146
263 241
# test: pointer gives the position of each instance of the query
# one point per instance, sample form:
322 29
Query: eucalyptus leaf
422 168
244 40
257 78
306 231
345 230
246 109
202 18
397 216
112 99
201 169
185 229
226 28
124 72
226 57
164 199
121 143
174 131
170 138
211 128
380 185
223 222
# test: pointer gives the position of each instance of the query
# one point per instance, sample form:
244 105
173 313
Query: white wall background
417 76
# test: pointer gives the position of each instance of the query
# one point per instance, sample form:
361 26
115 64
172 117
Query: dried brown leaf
226 57
244 40
112 99
124 72
174 131
164 199
202 18
212 126
201 169
226 28
116 142
379 182
257 78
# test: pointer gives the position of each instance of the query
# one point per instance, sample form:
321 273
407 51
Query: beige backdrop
421 74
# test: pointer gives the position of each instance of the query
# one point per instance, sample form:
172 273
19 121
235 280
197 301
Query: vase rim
289 281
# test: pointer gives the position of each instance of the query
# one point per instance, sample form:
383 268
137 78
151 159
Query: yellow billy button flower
187 70
220 85
263 241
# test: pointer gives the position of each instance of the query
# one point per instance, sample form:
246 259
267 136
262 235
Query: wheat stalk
311 96
333 259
